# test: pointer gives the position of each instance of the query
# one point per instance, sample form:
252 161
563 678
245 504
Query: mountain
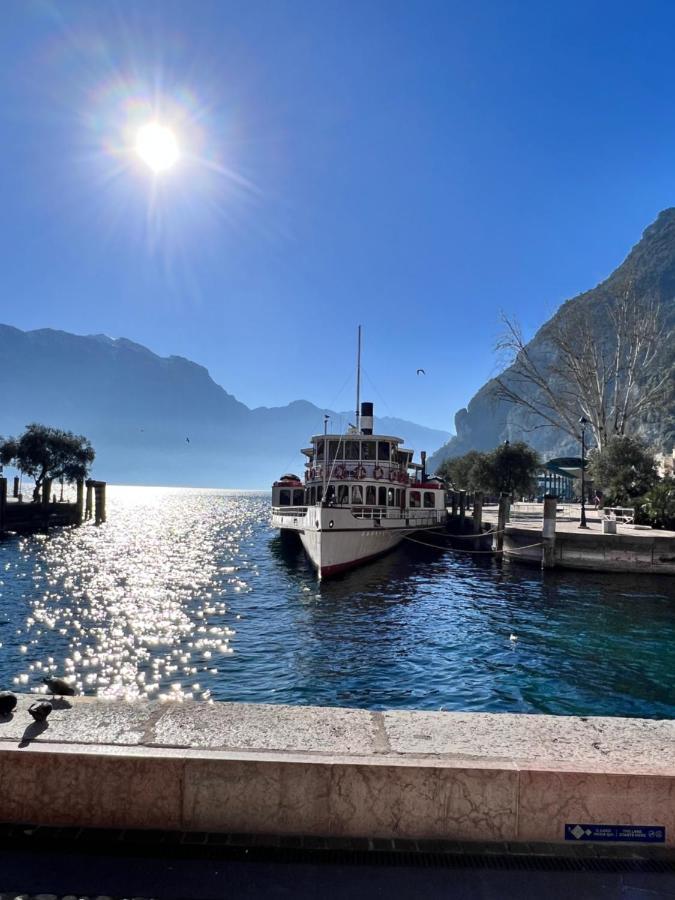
650 266
155 420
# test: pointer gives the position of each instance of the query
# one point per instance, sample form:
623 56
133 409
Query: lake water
190 594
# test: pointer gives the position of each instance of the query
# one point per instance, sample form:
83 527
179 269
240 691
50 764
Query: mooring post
46 491
99 496
3 503
548 532
462 508
454 504
15 489
478 512
502 519
79 505
88 502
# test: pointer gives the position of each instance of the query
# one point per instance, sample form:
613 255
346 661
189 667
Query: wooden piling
79 510
477 512
454 504
548 532
46 491
99 499
88 506
3 504
502 519
15 489
462 506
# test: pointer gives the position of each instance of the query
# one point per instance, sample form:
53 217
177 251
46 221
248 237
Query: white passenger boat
361 495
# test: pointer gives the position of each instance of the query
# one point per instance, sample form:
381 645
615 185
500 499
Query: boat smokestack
366 420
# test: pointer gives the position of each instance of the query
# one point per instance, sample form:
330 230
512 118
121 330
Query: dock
18 516
556 540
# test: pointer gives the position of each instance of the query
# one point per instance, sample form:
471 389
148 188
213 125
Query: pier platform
633 548
340 773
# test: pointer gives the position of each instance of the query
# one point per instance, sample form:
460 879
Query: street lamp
583 422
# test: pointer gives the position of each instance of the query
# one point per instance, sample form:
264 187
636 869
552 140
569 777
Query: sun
157 146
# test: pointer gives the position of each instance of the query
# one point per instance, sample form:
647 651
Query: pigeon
59 686
40 711
421 372
7 702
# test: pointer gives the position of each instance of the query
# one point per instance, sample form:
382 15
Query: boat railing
416 514
289 510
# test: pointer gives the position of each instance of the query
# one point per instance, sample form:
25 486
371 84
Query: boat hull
335 540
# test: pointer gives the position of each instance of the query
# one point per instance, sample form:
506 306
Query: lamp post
583 422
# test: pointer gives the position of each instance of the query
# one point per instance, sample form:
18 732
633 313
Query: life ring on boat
339 472
393 475
360 472
378 473
312 473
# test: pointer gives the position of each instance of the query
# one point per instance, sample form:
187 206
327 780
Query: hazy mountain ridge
158 420
650 265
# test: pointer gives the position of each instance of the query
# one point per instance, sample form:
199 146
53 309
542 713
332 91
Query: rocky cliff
650 267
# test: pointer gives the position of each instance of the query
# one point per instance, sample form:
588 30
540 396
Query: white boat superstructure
360 496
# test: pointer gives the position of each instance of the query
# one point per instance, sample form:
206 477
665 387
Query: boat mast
358 380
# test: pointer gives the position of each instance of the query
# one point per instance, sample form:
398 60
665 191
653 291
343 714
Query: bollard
502 519
462 509
15 490
79 505
3 503
88 502
454 504
99 497
548 532
46 491
478 512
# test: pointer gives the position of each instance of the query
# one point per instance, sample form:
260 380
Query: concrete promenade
631 549
263 769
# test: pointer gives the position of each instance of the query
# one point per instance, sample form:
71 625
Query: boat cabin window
319 450
330 493
383 451
284 497
390 497
319 494
351 450
382 496
368 450
298 497
333 450
357 495
398 496
371 495
415 500
343 493
429 502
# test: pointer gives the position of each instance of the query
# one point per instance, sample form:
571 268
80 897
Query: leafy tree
659 504
42 452
460 471
624 469
509 468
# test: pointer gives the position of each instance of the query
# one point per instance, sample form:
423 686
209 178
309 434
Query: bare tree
586 368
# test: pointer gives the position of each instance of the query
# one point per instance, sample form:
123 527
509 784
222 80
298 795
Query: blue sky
413 167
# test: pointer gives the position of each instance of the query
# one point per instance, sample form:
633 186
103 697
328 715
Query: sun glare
157 146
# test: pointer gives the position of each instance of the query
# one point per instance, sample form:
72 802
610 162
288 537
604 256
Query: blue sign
641 834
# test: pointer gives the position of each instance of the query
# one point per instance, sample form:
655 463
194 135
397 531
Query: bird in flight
187 440
421 372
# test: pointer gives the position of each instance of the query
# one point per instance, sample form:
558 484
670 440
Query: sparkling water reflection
189 594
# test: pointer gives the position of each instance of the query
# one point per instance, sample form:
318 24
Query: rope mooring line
407 537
